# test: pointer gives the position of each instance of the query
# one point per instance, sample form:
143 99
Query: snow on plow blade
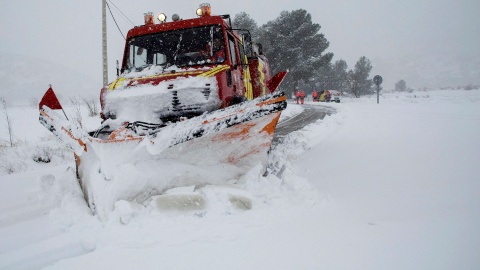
218 120
212 149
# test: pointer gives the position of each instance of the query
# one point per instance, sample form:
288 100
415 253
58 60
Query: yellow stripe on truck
202 73
116 83
214 71
168 74
247 81
262 77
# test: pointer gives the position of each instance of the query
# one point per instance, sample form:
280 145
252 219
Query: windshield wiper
178 49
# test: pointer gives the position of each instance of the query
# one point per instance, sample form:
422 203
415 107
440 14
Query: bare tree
9 120
77 113
92 106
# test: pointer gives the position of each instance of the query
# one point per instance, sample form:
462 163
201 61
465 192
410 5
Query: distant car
333 96
330 95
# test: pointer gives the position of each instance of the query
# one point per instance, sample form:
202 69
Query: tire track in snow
310 114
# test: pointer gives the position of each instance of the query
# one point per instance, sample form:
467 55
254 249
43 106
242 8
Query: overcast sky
69 32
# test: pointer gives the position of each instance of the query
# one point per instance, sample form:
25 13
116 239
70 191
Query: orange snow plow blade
163 137
228 141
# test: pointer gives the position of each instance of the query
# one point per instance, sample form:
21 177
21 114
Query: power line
121 12
115 21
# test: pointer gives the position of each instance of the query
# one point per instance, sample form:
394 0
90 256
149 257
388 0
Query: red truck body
165 55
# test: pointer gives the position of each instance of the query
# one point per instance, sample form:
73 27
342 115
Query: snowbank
375 186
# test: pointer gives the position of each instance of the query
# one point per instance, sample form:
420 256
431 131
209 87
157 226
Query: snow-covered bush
77 112
50 150
42 154
12 160
8 120
25 155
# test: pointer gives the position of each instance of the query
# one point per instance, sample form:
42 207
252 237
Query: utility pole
104 42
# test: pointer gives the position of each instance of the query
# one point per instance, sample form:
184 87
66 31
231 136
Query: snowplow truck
195 90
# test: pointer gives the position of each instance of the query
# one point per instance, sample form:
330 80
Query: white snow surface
394 185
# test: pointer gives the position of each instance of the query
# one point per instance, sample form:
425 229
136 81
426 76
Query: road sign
378 80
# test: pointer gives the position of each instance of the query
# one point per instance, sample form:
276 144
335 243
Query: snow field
408 169
393 185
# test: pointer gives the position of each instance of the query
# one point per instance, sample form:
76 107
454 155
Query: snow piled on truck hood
147 102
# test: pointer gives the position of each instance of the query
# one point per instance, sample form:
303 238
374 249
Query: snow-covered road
310 114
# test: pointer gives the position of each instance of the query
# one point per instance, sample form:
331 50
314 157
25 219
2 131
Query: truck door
247 80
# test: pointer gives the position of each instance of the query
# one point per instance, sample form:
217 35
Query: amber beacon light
203 10
148 18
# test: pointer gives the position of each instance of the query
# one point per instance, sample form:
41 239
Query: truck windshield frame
197 46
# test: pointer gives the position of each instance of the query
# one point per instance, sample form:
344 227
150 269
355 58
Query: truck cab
184 68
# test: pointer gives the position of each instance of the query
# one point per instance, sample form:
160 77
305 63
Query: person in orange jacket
297 95
315 96
302 97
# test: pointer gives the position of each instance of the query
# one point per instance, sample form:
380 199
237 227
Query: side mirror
260 49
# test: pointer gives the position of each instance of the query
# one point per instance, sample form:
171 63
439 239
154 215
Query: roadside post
378 80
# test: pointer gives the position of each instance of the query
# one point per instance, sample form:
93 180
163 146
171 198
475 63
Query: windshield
184 47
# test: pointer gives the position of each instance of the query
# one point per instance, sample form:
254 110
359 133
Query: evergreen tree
292 42
359 83
331 77
340 75
401 86
325 77
243 21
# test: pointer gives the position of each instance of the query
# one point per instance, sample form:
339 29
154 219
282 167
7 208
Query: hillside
424 71
25 79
